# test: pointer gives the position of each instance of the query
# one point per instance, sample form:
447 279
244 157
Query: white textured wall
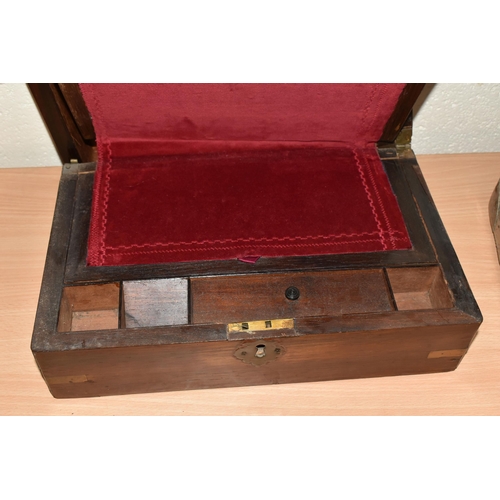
24 141
458 118
453 118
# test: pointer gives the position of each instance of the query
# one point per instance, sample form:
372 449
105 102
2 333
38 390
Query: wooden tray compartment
419 288
253 298
91 307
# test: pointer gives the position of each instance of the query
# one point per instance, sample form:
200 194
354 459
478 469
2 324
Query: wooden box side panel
128 370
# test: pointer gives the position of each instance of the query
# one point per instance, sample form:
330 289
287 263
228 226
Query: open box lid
70 126
219 171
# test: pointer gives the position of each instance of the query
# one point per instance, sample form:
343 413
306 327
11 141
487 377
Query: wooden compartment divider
153 302
254 298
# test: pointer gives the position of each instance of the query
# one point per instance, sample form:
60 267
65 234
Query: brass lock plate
269 328
258 326
259 352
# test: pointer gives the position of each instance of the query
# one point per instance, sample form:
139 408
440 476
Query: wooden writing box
221 322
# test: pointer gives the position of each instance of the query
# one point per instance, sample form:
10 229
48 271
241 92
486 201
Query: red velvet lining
208 172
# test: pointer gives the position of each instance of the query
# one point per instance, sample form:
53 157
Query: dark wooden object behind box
494 212
358 315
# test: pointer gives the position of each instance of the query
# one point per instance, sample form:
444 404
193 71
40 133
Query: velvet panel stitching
271 241
232 247
105 151
97 250
369 105
380 205
370 199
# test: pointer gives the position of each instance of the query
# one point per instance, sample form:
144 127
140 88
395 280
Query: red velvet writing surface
204 172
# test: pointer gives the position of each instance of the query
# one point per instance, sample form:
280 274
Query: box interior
260 298
419 288
214 172
90 307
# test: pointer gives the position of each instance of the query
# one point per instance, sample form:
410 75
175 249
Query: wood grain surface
229 299
461 186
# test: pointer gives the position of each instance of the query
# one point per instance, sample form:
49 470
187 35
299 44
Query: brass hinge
71 168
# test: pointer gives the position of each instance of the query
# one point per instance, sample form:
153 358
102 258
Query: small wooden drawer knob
292 293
